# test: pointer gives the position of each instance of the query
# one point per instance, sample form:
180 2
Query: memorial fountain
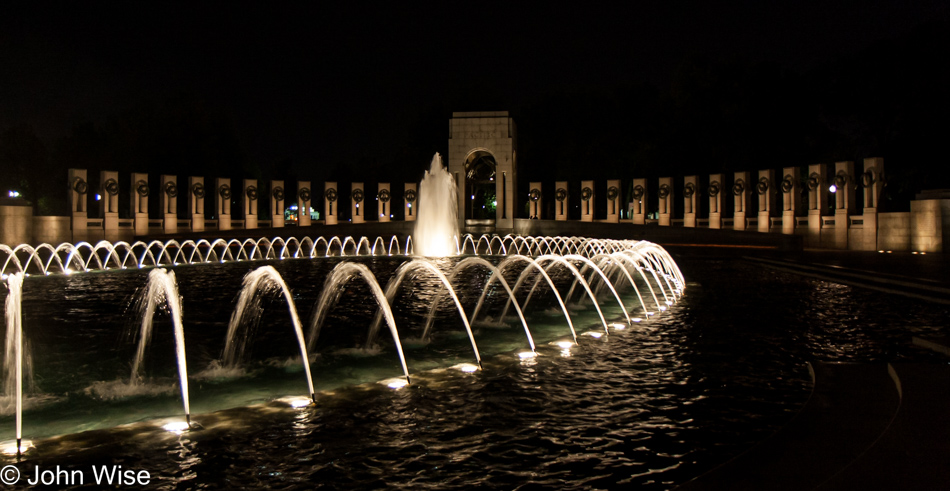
437 280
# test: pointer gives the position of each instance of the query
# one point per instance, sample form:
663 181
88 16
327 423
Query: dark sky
310 82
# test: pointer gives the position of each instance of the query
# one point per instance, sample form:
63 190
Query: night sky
313 89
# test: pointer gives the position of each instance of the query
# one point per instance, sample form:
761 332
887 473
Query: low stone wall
893 231
930 223
51 230
16 222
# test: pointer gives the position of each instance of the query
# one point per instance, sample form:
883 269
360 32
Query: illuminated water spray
436 230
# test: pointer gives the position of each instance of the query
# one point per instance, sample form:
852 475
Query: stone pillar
249 201
78 188
845 203
304 195
690 185
561 202
196 203
665 194
330 204
613 201
169 204
587 201
276 203
384 196
109 204
740 194
715 200
817 202
357 207
638 202
139 198
534 200
872 179
222 200
765 190
410 196
791 190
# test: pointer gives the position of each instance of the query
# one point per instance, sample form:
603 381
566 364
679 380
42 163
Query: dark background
364 92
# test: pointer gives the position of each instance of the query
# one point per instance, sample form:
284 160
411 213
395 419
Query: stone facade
495 134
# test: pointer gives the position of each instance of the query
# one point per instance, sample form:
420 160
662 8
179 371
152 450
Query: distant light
494 203
833 188
14 194
98 197
889 252
922 252
473 196
882 252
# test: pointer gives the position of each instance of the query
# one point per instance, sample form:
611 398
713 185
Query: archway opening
480 199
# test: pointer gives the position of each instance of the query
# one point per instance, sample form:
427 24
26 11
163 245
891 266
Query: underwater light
618 326
524 355
466 367
11 448
395 383
176 427
636 319
662 308
300 402
594 334
565 344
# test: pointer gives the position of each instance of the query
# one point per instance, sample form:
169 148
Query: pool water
652 405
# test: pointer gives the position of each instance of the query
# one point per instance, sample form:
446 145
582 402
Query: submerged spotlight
395 383
466 367
176 427
525 355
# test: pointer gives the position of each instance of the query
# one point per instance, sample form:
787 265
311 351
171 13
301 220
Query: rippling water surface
652 405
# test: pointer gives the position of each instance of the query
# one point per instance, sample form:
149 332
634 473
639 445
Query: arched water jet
578 277
331 293
495 276
531 264
588 263
396 281
255 281
162 288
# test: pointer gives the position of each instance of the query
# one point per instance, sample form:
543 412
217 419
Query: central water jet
436 232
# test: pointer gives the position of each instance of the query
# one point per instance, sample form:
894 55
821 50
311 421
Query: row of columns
776 196
196 192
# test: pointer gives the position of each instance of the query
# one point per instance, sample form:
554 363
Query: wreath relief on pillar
198 189
587 194
171 189
111 187
689 189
